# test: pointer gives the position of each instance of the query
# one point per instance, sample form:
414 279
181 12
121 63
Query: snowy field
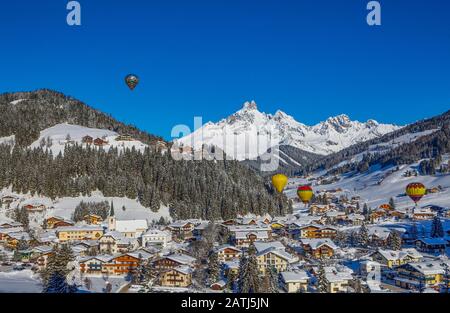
19 282
391 184
64 207
59 133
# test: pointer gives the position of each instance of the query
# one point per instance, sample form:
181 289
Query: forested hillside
44 108
192 189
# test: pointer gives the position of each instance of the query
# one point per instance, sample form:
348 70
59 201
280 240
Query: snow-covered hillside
378 185
249 133
64 207
63 134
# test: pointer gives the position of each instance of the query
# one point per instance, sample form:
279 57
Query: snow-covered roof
399 255
258 234
430 267
226 246
182 258
293 277
125 226
316 243
79 228
261 246
156 232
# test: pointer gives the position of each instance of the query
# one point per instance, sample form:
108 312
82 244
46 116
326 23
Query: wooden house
180 276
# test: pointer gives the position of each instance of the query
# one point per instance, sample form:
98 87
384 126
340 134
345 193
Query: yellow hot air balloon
279 181
416 191
305 193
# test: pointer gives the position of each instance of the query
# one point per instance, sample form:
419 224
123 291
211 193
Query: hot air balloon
279 181
416 191
305 193
132 80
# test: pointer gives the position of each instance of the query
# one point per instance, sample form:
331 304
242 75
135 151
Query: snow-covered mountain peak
246 129
250 105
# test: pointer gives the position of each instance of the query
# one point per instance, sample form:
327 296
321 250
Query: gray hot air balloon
132 80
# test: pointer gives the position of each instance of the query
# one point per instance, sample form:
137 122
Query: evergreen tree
363 236
392 203
437 230
231 282
395 241
57 283
111 211
249 280
213 267
414 233
322 286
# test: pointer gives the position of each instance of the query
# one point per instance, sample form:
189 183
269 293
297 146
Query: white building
128 228
157 237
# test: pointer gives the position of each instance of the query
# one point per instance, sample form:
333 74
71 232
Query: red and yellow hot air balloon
279 181
416 191
305 193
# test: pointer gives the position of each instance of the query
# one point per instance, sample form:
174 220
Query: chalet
431 245
87 140
386 207
245 238
40 256
46 237
126 263
93 219
5 232
227 252
319 248
231 268
76 233
199 230
423 214
156 237
56 221
293 282
180 276
13 239
392 258
318 209
10 225
182 230
421 275
94 264
124 137
377 215
313 231
174 260
278 226
8 199
355 219
244 235
272 255
337 281
114 242
100 142
35 208
219 285
379 235
128 228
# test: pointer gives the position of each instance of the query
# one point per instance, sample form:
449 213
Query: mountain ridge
248 127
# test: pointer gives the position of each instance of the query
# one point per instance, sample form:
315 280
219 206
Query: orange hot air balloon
305 193
132 80
279 181
416 191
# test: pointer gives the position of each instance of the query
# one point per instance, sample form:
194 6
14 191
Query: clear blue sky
310 58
